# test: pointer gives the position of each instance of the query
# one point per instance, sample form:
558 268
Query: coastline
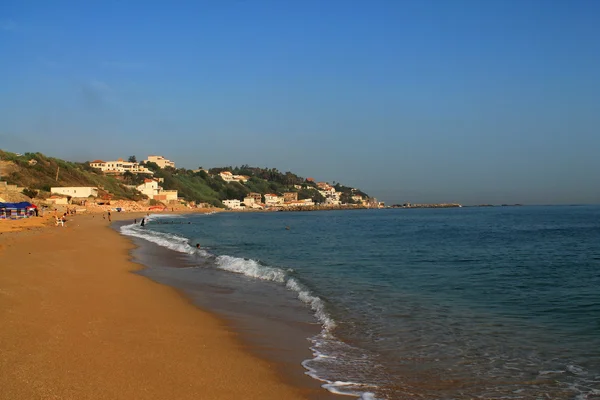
79 324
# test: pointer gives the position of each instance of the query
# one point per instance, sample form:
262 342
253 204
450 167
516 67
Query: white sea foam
250 268
315 303
168 240
255 269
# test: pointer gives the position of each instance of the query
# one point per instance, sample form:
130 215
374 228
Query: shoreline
79 324
256 334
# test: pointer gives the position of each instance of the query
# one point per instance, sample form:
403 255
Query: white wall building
76 191
273 200
160 161
232 204
150 188
300 203
153 190
119 167
229 177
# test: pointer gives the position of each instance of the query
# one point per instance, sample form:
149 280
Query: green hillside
198 185
41 176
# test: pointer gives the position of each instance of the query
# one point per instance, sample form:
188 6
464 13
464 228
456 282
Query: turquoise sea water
420 303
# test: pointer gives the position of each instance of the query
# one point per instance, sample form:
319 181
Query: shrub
30 193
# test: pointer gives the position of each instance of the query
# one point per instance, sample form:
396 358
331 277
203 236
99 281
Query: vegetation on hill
41 175
192 185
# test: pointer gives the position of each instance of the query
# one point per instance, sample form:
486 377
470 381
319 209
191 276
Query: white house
249 201
273 200
160 161
332 201
300 203
150 188
76 191
232 204
119 167
227 176
241 178
153 190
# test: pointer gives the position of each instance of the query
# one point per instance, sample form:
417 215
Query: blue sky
420 101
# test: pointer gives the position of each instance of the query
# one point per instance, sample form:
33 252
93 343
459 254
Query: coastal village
151 195
151 187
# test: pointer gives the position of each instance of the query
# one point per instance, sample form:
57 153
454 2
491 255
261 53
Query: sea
457 303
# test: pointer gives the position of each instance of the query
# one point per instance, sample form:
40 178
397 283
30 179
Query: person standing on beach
108 215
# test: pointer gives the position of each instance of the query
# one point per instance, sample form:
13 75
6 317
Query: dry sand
75 323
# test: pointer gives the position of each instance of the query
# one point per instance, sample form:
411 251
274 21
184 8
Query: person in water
197 245
143 222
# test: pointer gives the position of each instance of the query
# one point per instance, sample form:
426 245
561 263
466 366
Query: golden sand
75 323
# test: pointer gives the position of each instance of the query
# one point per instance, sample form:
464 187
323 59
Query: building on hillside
75 191
241 178
149 188
290 196
119 167
227 176
357 198
154 191
232 204
328 191
300 203
310 180
160 161
257 197
250 202
372 203
323 185
332 201
272 199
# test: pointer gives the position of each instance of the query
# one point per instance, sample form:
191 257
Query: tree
152 166
132 159
128 176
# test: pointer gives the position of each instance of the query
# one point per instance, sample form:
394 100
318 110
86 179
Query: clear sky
482 101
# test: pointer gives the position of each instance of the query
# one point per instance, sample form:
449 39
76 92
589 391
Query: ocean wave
329 355
250 268
168 240
257 270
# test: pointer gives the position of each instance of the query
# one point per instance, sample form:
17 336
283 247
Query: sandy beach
75 323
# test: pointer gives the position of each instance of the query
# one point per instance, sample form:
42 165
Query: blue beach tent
15 210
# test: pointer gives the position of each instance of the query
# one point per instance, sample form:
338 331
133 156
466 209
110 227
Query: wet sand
75 323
